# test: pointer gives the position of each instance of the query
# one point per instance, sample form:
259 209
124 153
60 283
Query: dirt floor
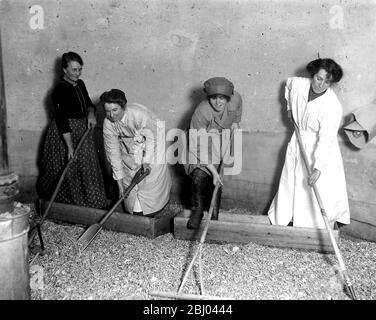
127 267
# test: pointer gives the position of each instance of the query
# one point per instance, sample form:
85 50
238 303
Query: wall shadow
195 96
50 113
282 149
111 188
300 72
184 189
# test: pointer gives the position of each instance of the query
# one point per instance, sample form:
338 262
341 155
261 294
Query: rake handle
33 231
323 213
134 182
318 197
202 238
206 227
214 196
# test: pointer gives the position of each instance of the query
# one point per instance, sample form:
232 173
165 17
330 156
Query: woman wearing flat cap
222 109
316 110
130 135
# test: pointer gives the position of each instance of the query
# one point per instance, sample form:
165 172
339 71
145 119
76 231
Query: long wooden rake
198 254
36 228
342 270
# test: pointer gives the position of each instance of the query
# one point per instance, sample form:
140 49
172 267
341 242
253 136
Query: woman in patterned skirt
74 113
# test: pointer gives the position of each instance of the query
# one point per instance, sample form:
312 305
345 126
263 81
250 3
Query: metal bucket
14 267
7 203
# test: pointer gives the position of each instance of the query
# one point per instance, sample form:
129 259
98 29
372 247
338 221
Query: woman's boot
200 184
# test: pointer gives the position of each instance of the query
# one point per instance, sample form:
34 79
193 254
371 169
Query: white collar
124 116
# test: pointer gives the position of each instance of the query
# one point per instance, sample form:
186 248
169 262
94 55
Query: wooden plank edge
271 235
118 221
232 217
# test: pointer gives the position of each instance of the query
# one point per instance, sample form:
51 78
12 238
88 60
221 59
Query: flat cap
218 85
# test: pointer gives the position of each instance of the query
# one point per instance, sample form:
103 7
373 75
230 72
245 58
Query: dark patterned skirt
83 183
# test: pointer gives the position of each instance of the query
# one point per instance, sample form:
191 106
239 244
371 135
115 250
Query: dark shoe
195 220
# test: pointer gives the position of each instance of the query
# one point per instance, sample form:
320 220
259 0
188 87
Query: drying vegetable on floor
130 140
317 112
222 109
74 112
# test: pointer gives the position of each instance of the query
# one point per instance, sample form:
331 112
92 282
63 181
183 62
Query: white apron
128 142
318 122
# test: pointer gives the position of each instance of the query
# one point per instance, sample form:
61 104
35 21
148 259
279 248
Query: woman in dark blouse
74 113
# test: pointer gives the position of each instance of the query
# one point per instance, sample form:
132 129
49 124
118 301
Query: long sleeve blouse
207 123
320 117
70 102
131 140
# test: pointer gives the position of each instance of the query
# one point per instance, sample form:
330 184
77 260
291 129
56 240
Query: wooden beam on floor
242 228
150 227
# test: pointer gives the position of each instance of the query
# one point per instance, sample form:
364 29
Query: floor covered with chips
123 266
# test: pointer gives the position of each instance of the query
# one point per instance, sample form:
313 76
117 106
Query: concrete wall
160 52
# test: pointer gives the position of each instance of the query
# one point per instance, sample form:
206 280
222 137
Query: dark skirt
83 183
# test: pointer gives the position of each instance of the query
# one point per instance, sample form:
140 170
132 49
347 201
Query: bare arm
215 174
91 119
68 141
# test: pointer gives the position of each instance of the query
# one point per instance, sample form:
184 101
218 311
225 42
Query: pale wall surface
160 52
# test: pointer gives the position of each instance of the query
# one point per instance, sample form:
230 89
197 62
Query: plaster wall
160 53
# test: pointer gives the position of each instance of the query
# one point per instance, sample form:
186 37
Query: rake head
88 236
351 291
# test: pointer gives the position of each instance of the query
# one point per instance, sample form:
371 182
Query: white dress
128 143
318 122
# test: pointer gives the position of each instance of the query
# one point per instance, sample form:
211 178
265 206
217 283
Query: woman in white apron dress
317 112
130 136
